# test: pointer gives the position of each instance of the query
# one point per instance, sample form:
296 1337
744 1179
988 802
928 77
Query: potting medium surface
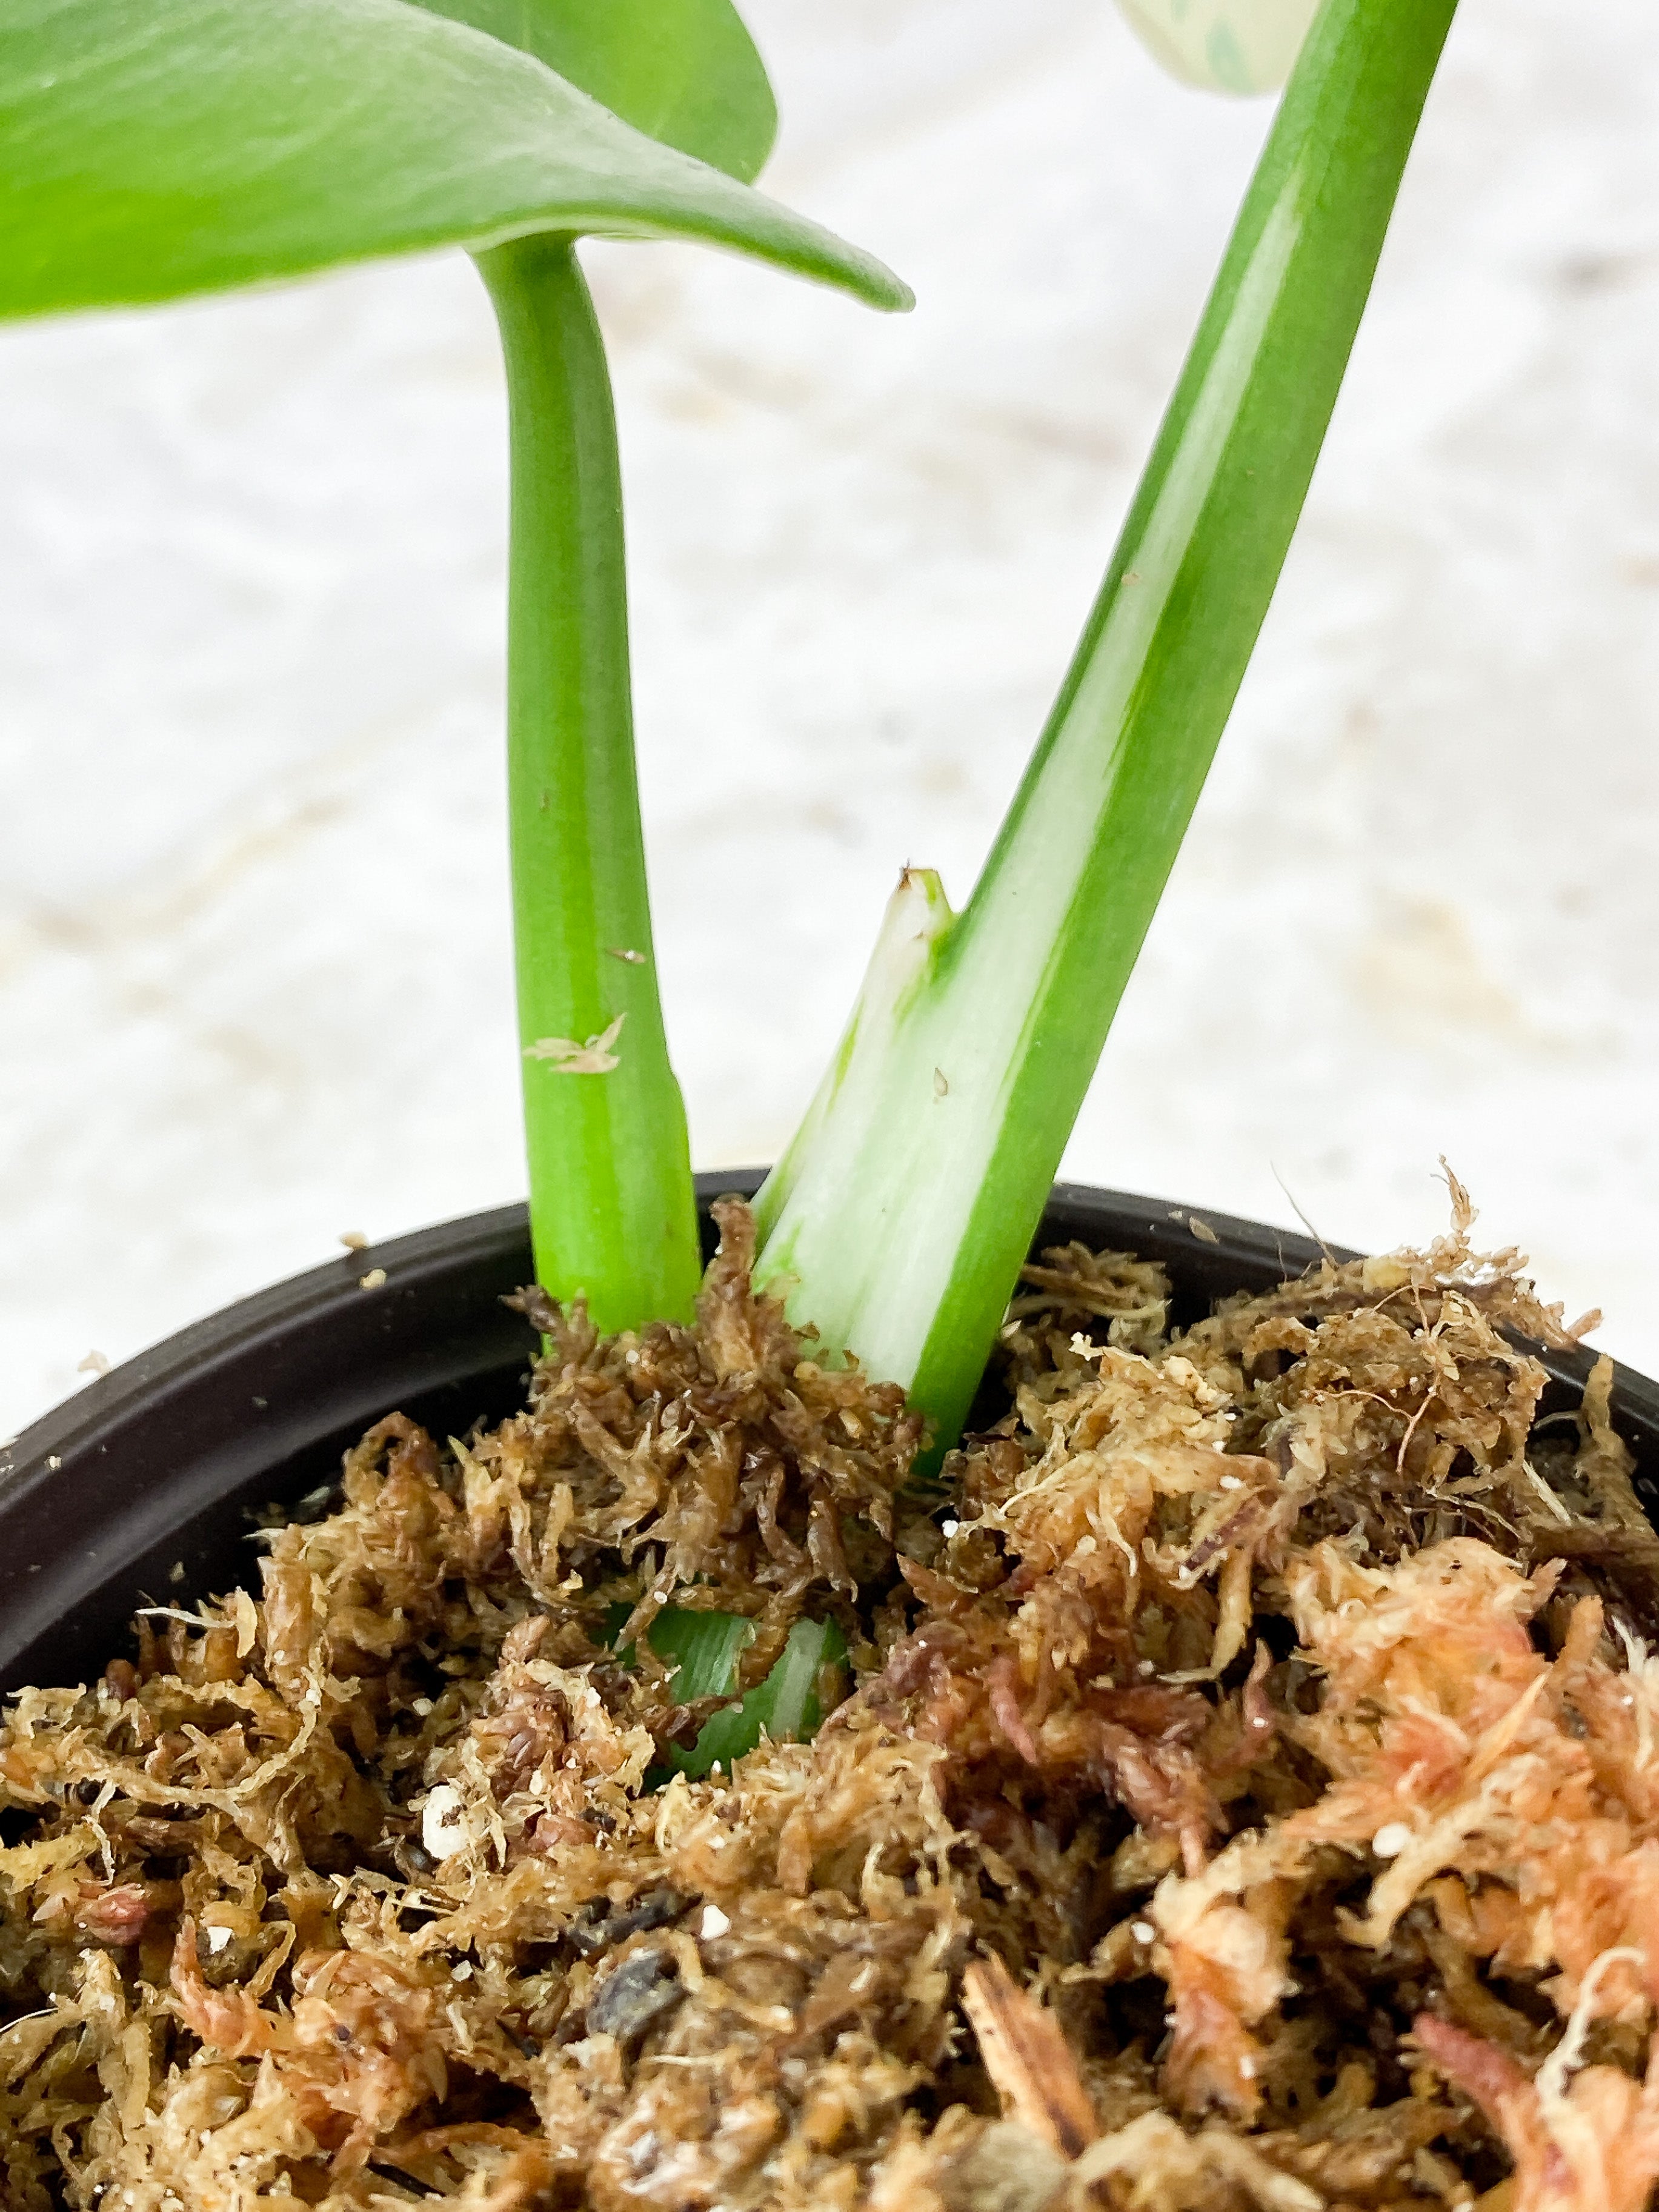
1237 1779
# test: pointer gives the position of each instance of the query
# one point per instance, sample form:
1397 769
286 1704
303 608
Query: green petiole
611 1204
902 1211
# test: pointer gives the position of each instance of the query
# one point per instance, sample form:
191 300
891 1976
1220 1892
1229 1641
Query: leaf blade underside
153 149
683 71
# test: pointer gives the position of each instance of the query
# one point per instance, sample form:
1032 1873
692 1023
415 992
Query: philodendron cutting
1237 1783
156 148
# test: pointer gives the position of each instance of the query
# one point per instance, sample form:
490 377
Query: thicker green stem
611 1207
905 1204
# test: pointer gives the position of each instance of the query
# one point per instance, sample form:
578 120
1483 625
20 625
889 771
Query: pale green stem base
902 1211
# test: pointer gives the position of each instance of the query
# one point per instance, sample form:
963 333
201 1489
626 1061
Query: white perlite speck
443 1823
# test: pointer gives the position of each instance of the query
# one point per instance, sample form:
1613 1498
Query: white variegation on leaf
1225 46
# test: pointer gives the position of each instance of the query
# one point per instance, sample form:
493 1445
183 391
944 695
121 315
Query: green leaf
154 149
788 1705
685 71
705 1647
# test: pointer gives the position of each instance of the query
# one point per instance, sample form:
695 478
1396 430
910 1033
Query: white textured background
253 963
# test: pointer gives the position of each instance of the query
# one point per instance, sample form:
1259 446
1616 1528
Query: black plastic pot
146 1487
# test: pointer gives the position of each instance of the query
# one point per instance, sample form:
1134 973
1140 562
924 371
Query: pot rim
147 1485
94 1413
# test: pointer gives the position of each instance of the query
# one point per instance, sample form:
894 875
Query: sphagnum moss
1243 1796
